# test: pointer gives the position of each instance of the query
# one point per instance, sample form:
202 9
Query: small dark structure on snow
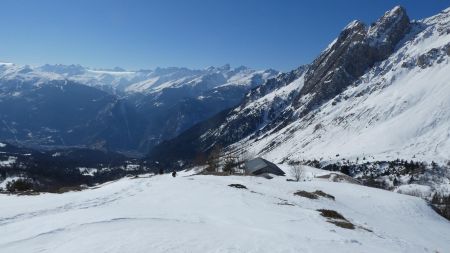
262 167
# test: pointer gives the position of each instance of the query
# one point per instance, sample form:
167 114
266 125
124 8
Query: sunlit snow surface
204 214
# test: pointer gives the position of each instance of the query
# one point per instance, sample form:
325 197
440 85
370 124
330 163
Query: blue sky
133 34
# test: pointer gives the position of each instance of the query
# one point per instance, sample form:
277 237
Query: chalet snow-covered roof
259 166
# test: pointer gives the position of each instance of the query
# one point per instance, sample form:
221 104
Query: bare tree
297 172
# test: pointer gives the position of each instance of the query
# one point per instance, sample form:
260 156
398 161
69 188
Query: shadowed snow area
203 214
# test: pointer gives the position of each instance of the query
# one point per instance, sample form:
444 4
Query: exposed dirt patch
331 214
323 194
314 195
239 186
342 224
336 218
306 194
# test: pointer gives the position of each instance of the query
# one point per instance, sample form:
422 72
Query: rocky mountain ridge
377 92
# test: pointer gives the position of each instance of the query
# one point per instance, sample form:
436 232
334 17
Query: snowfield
203 214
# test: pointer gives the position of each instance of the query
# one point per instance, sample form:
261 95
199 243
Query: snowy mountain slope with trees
203 214
379 92
398 109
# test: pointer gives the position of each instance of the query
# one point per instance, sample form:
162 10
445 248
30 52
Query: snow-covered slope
397 109
380 92
204 214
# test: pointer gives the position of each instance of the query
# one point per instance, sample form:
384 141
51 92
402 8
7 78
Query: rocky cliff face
355 50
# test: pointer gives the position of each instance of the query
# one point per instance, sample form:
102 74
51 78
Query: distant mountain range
129 111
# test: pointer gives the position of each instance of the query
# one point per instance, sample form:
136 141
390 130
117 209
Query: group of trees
42 172
220 160
20 185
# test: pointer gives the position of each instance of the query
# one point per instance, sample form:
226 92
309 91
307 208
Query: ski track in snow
86 204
